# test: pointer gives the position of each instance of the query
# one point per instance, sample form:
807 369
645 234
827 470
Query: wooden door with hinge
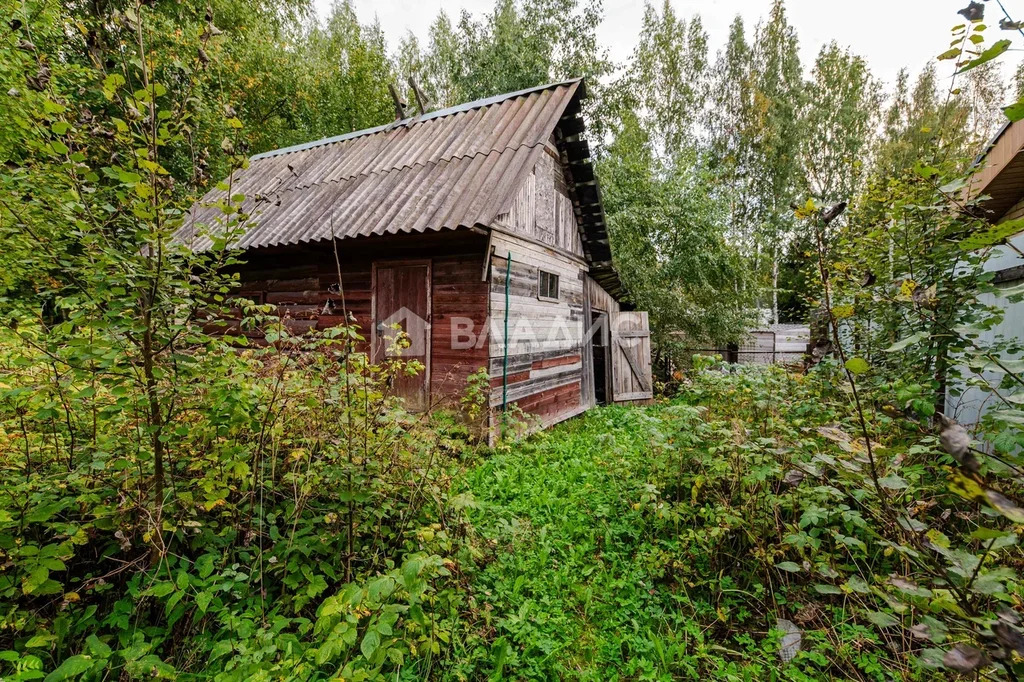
631 357
401 297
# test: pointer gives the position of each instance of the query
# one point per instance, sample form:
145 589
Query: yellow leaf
842 311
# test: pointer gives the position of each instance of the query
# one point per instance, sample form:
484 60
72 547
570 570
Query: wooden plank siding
1016 211
550 361
542 209
302 282
1001 172
600 299
545 348
631 357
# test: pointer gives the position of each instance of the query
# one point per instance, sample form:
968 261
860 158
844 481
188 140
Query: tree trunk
775 288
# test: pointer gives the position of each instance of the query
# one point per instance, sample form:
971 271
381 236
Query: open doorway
599 343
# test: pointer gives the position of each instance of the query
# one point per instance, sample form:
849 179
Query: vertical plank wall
601 300
631 357
542 209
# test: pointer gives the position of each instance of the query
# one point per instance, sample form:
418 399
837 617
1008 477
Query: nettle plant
177 493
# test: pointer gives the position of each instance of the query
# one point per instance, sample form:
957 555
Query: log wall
302 282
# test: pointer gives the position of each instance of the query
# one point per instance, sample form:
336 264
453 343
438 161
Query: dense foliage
704 536
176 501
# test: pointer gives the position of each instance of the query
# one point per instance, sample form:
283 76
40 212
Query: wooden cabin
466 226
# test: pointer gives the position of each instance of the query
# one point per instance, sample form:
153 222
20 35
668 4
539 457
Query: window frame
552 276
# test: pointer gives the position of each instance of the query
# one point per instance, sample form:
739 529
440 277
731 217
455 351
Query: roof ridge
430 115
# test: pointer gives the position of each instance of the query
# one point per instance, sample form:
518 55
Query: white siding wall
973 402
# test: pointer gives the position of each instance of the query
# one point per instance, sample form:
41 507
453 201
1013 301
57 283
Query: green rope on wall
504 362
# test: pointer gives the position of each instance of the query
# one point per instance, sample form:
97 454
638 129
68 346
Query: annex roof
1000 171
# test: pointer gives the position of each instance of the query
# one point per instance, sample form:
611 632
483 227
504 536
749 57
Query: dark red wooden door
402 297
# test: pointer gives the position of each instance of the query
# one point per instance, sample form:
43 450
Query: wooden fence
783 344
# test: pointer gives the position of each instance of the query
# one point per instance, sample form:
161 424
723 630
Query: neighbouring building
457 225
1000 177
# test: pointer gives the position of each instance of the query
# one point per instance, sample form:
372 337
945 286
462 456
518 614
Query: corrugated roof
451 168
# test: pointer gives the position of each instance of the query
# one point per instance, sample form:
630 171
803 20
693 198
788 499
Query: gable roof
455 167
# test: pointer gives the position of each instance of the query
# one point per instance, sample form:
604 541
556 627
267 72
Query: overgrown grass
643 543
665 543
573 584
564 587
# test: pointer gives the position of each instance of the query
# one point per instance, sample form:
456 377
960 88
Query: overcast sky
890 34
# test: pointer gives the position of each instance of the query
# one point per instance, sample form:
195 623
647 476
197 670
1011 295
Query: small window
547 286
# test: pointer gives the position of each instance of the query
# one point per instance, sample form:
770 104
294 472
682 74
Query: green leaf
951 53
221 648
161 589
788 566
882 619
857 584
827 589
1013 293
40 640
893 482
316 586
97 647
203 600
988 533
113 81
1015 111
35 579
1009 416
381 587
857 365
72 667
371 640
411 571
43 512
937 538
997 48
204 565
911 340
996 234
